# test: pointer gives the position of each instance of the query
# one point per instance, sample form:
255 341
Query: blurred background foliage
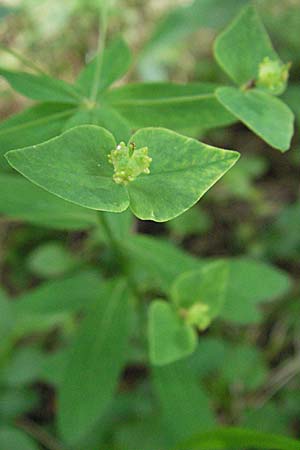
250 372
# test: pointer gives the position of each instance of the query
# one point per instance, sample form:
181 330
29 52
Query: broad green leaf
246 289
266 116
13 439
157 262
75 166
51 260
174 106
243 45
170 338
201 293
82 154
96 361
42 87
32 126
228 438
116 62
72 294
184 20
23 201
184 404
103 117
182 170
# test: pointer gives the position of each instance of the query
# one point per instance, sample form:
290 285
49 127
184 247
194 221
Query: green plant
97 156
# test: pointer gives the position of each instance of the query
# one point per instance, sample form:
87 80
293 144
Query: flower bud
273 76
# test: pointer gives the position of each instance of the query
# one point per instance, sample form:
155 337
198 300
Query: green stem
119 253
23 59
100 49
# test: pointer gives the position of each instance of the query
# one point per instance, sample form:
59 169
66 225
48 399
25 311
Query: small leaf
182 170
184 403
265 115
116 61
23 201
243 45
200 294
169 337
42 87
102 117
51 260
96 361
75 167
175 106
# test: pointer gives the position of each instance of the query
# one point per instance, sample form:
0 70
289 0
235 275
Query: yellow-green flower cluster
129 162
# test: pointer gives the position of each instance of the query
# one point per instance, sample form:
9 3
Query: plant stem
117 248
40 434
23 59
100 49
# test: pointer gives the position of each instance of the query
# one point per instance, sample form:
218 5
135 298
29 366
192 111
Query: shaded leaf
96 361
32 126
246 290
103 117
24 201
42 87
116 62
174 106
184 404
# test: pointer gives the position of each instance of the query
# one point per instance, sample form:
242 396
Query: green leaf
170 338
32 126
243 45
184 20
81 154
194 221
174 106
116 62
23 201
103 117
157 262
51 260
75 166
265 115
246 290
228 438
42 87
6 316
182 170
13 439
201 293
72 294
16 402
184 404
96 361
23 368
237 368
